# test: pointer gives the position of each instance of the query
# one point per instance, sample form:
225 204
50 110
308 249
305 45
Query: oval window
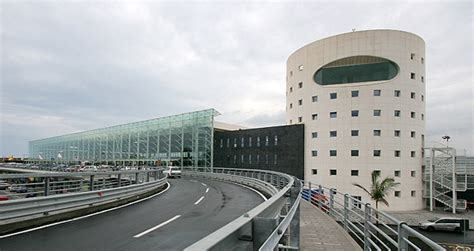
355 70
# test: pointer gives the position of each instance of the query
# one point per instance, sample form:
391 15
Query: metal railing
272 225
371 228
60 191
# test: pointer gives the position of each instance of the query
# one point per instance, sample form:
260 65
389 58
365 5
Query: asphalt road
187 212
450 240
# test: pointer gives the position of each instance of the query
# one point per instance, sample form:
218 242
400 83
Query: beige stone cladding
400 153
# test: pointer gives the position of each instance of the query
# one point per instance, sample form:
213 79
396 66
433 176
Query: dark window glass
377 93
412 75
333 134
300 102
314 135
315 98
333 172
397 113
314 153
314 116
332 153
354 172
397 153
333 95
397 133
355 94
377 133
356 69
300 85
354 153
355 113
333 115
397 93
377 113
377 153
354 132
314 171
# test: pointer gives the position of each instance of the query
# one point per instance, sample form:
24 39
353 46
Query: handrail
373 229
19 208
263 226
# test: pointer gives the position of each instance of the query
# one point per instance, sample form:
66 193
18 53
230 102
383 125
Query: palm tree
379 189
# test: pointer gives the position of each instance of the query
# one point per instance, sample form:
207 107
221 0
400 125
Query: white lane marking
200 199
84 216
207 189
193 180
156 227
251 188
204 184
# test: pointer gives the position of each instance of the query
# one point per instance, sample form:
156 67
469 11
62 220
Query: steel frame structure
185 139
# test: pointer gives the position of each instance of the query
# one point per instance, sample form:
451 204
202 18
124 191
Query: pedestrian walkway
318 231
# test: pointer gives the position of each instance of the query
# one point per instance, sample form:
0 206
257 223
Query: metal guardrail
272 225
371 228
142 182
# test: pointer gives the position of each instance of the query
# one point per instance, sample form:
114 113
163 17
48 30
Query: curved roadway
187 212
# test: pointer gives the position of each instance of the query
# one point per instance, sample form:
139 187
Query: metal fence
49 192
371 228
274 224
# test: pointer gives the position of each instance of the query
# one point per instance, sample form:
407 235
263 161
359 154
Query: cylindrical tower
361 96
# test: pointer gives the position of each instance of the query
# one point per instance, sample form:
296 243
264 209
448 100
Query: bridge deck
318 231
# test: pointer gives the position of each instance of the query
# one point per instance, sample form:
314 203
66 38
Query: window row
243 143
355 172
355 94
253 159
355 153
375 132
356 113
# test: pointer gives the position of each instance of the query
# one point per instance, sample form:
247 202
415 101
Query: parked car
18 189
317 198
3 197
4 185
173 172
445 224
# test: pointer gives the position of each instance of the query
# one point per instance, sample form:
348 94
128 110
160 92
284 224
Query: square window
300 119
354 133
333 153
396 173
412 75
300 67
377 93
315 98
397 93
300 85
397 133
397 153
377 171
355 93
413 95
333 134
377 113
354 172
413 173
412 56
413 115
314 116
377 133
397 113
291 105
354 153
333 115
333 95
355 113
300 102
413 193
377 153
314 171
332 172
412 134
398 193
413 154
314 135
314 153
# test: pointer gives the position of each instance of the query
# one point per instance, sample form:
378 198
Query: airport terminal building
355 103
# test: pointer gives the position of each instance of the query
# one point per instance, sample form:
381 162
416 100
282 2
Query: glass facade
356 69
184 140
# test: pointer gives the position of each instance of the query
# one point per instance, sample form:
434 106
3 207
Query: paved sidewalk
318 231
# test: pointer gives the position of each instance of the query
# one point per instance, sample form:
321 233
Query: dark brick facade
279 148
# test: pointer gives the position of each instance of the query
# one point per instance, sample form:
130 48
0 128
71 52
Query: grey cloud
73 66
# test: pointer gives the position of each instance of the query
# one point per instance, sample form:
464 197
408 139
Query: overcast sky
78 65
